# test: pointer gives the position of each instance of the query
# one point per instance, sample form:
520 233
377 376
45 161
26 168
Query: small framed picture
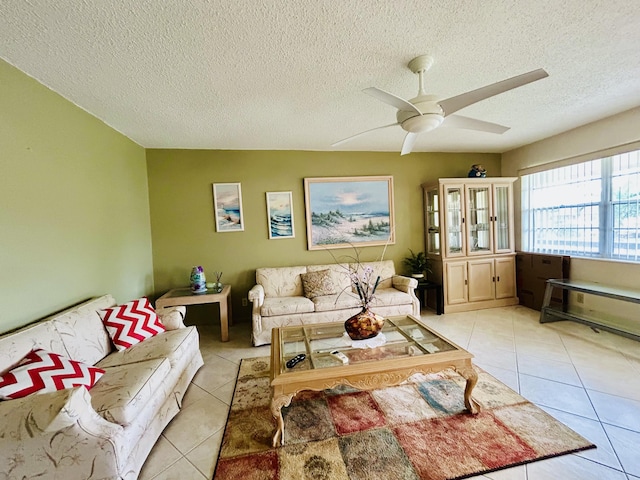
280 215
227 204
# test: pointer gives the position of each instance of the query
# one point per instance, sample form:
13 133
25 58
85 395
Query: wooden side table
423 286
184 296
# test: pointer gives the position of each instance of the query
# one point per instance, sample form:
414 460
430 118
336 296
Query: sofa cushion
286 305
82 331
41 371
338 301
281 281
131 323
318 283
176 345
125 389
390 296
339 274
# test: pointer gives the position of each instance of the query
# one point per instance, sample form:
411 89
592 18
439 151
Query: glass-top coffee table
410 348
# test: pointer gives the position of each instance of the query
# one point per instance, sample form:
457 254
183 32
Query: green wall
182 217
74 208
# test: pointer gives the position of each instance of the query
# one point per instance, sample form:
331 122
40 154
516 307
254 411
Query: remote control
431 348
296 360
340 356
416 334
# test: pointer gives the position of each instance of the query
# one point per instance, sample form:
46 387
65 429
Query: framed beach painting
227 204
280 215
349 211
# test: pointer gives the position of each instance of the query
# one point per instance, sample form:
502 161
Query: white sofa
278 298
107 432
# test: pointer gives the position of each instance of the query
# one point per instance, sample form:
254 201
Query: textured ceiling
289 74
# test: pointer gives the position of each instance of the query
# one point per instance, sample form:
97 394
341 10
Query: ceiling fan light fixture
422 123
426 112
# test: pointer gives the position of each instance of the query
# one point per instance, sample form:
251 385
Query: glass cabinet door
502 209
454 218
479 217
432 219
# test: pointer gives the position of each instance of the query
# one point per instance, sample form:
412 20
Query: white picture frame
227 206
280 215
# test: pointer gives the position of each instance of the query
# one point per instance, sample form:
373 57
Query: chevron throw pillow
41 371
131 323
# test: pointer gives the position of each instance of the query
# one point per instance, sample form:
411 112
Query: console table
184 296
605 321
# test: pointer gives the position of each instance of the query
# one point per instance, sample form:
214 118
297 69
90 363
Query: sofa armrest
408 285
63 434
172 317
256 296
404 284
46 413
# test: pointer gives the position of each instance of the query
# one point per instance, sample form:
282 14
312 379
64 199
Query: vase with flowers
364 282
364 324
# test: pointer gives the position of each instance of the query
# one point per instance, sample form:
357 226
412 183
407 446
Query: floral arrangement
366 324
363 283
362 280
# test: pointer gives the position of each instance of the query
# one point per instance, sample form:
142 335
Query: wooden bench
602 320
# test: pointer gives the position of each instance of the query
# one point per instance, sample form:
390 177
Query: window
590 209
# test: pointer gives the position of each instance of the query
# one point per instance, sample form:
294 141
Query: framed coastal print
349 211
280 215
227 205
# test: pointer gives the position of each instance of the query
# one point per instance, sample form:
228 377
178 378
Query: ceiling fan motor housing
432 115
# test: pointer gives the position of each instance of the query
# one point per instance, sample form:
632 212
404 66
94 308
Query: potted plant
417 263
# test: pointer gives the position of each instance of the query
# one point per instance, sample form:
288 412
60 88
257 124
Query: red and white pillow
131 323
41 371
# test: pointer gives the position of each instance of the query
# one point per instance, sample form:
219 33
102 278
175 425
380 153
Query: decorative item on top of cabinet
477 171
469 240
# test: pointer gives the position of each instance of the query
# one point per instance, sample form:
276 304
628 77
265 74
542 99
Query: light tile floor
588 380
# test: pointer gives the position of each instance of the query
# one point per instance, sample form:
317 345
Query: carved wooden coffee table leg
277 403
471 376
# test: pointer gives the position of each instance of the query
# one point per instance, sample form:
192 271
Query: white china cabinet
469 240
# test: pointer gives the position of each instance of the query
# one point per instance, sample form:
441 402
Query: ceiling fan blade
391 99
340 142
453 104
458 121
409 142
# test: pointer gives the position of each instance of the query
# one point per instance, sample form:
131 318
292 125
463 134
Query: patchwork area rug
418 430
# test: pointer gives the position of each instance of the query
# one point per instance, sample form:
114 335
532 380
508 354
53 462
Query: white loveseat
278 298
107 432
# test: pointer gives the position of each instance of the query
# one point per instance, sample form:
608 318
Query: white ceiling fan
425 112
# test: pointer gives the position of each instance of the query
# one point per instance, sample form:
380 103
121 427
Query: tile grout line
191 450
604 430
184 454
